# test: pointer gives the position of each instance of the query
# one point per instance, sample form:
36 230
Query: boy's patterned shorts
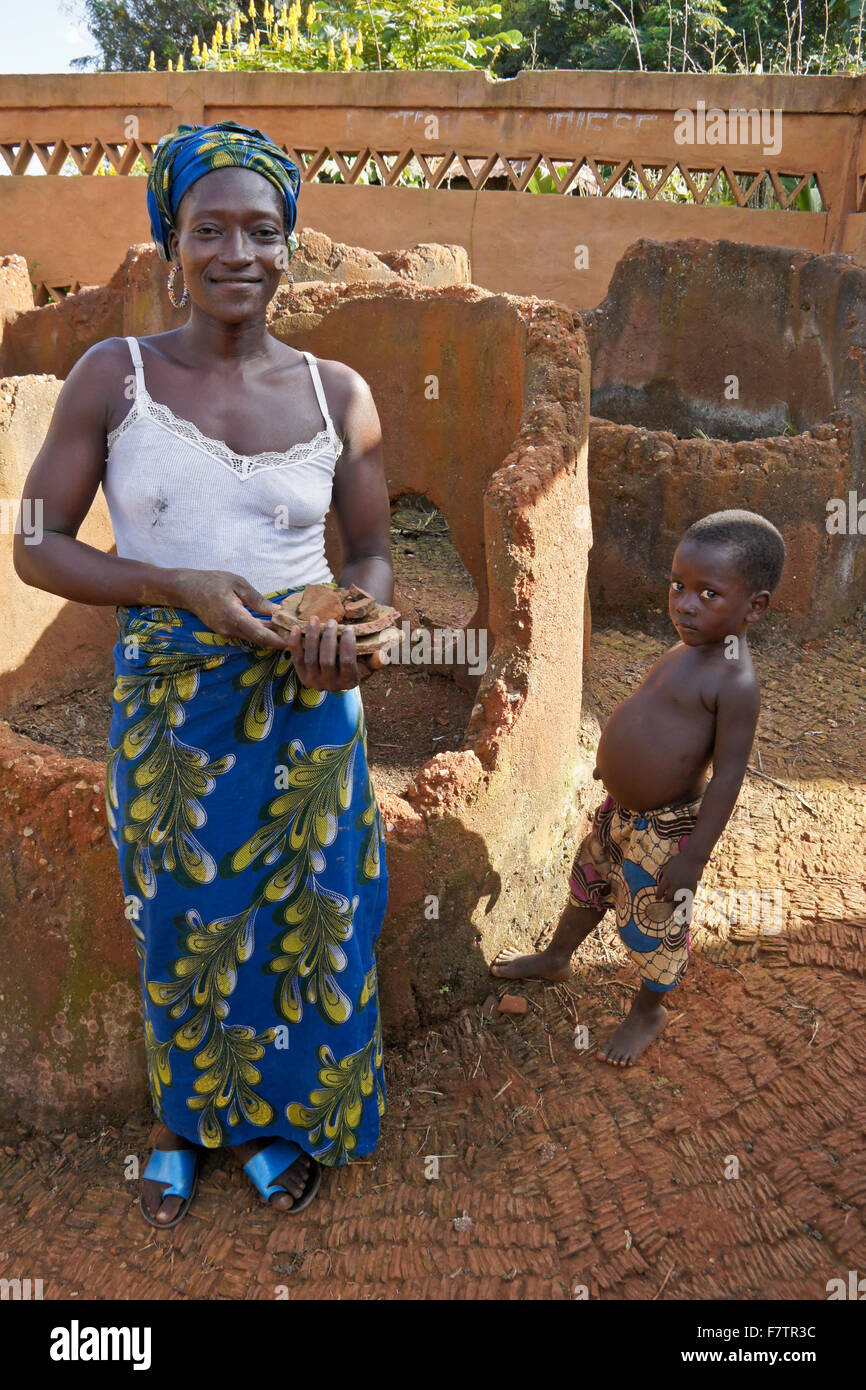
617 865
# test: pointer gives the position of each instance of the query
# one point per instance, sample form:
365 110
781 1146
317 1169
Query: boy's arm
737 712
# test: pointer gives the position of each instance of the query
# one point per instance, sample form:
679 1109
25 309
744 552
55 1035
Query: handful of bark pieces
372 622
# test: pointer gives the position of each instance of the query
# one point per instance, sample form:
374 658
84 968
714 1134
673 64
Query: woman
237 791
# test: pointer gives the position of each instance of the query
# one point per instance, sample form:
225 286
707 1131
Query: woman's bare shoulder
355 416
97 387
336 371
103 361
111 353
343 388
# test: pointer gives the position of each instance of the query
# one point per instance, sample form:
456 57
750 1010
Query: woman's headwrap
192 151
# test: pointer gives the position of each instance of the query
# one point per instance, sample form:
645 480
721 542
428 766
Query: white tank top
177 498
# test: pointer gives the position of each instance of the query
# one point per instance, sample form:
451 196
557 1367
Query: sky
42 35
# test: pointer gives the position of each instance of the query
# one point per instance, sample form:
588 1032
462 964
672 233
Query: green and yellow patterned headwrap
192 151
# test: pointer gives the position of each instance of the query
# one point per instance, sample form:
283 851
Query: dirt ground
728 1163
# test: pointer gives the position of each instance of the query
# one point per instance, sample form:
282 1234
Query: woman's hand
218 598
321 664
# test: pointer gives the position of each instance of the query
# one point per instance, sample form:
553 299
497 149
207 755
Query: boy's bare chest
673 691
657 743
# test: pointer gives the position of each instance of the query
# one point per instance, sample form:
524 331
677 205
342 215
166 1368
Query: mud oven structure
552 509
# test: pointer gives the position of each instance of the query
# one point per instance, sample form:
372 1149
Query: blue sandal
179 1168
268 1163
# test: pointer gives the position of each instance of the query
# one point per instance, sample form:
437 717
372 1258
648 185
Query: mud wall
16 291
646 488
737 341
49 645
760 349
450 402
480 141
135 299
70 1017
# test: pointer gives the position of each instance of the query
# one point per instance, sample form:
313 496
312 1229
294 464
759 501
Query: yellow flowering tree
355 36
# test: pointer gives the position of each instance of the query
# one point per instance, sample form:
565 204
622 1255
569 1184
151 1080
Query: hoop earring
184 299
291 279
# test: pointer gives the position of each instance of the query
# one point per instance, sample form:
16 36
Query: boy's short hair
758 546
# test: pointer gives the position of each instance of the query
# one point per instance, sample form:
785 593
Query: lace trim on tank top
243 465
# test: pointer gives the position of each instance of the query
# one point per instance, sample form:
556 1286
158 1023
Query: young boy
698 704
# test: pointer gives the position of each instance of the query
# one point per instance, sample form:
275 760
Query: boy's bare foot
294 1178
166 1210
542 965
634 1035
554 962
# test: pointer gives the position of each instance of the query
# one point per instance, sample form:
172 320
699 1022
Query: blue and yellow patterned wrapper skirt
252 856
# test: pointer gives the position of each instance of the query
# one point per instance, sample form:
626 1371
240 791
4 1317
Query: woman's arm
363 510
64 479
360 497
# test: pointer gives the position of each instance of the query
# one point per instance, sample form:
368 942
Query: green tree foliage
805 36
356 35
127 31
